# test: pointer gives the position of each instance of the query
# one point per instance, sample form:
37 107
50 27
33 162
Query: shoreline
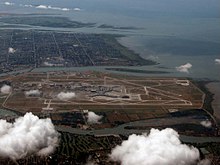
214 88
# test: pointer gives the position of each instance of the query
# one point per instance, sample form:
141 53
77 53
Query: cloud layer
217 61
206 123
8 3
158 148
11 50
27 135
35 93
47 7
93 118
5 89
184 68
77 9
65 96
51 7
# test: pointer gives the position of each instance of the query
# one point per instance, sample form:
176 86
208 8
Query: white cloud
217 61
93 118
35 93
65 96
27 135
184 68
41 7
157 148
8 3
11 50
51 7
27 5
5 89
65 9
54 8
51 64
77 9
48 64
206 123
